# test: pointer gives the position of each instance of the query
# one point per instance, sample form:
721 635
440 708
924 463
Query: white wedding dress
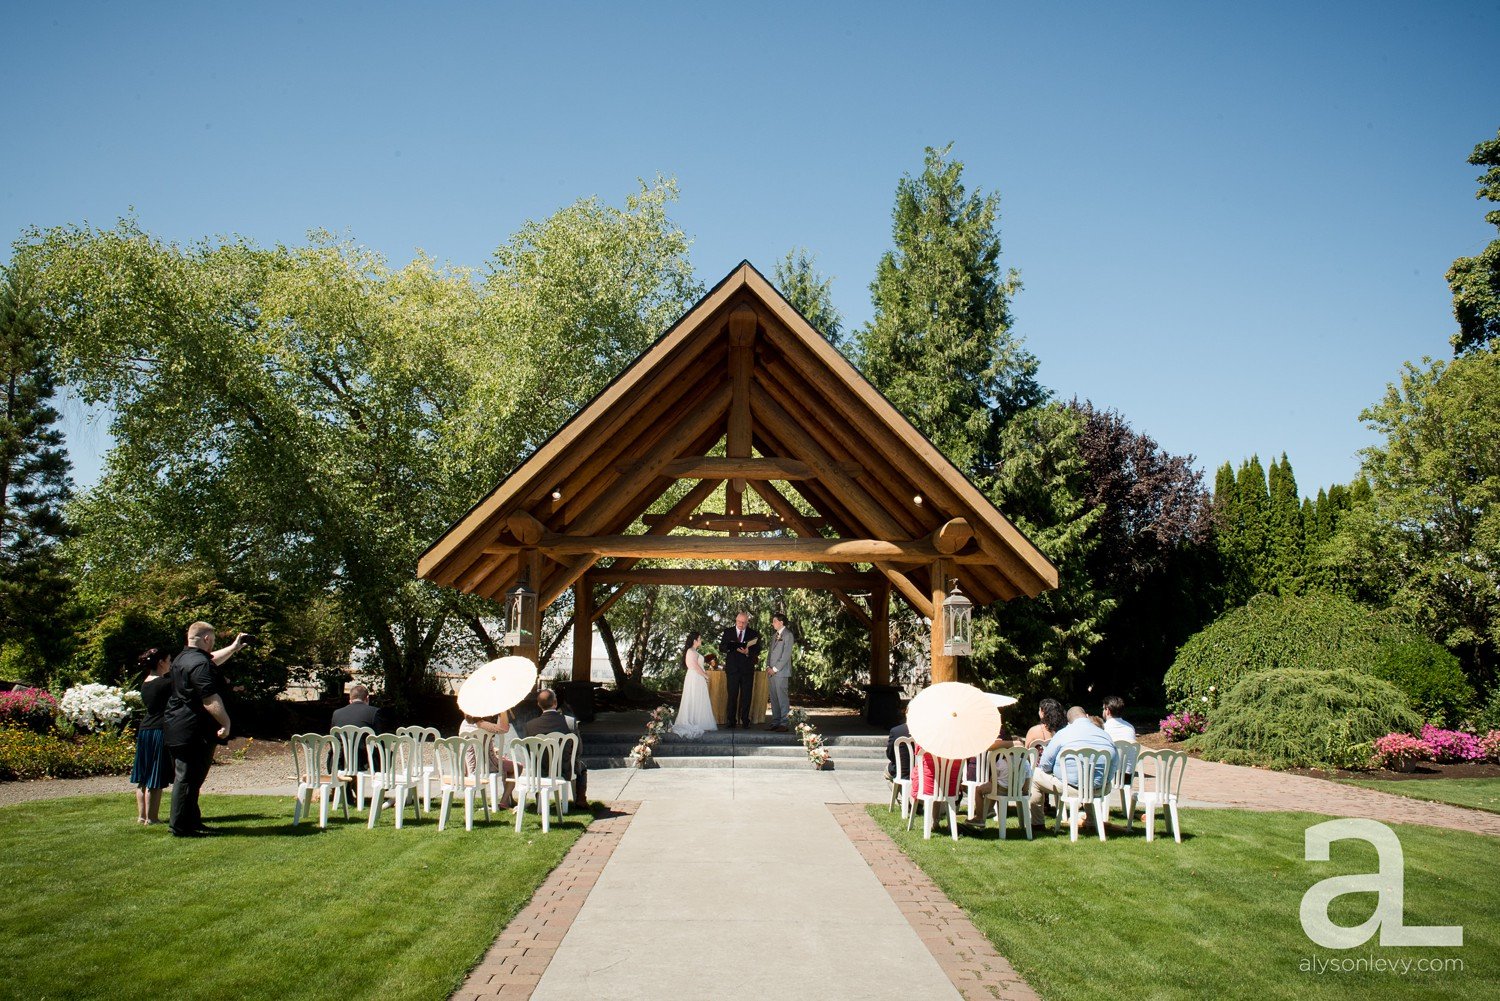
695 714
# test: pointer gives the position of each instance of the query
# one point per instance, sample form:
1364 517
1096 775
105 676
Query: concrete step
758 763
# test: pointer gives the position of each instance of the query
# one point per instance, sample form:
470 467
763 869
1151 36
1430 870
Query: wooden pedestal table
760 697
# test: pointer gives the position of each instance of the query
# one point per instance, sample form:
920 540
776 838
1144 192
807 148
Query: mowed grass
1478 794
1216 916
97 906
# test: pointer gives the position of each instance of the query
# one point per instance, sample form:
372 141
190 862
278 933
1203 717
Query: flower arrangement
31 708
658 725
93 707
1452 745
812 740
1399 751
1180 726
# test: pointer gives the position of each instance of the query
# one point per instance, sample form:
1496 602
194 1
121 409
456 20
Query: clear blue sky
1232 220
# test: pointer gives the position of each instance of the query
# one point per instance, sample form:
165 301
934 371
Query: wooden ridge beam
742 320
701 547
714 467
816 579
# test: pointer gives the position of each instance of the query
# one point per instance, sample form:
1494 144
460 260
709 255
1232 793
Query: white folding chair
457 778
424 736
975 786
1093 769
1160 787
945 773
538 766
1018 766
395 760
315 759
354 766
1126 752
565 752
905 750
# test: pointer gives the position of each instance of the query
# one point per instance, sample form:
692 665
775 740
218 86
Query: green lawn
1480 794
97 906
1216 916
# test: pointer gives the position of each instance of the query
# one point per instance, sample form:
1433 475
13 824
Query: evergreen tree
1475 281
940 346
1254 500
811 293
1285 546
34 487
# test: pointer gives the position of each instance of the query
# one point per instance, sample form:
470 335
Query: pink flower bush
32 708
1452 745
1180 726
1399 749
1491 744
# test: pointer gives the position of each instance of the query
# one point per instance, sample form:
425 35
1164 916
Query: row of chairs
1101 776
395 767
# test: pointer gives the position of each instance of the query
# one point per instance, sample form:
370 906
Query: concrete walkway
738 885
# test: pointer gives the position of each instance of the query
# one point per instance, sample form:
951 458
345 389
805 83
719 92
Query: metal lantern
520 612
958 624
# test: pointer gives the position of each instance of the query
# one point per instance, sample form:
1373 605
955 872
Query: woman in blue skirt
152 771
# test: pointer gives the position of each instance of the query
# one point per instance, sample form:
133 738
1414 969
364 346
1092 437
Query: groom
741 646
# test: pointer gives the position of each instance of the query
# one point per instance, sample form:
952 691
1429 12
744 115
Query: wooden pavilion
744 369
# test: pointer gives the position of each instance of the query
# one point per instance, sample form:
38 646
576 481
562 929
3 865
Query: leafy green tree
1475 281
940 346
34 488
811 293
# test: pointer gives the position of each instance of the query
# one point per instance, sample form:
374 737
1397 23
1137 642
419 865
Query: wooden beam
714 521
944 668
741 365
799 523
708 467
952 536
614 596
583 631
531 632
810 579
701 547
527 530
880 635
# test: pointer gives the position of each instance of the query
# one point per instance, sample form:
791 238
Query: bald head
1076 712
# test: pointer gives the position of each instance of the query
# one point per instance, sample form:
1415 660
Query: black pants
739 685
192 762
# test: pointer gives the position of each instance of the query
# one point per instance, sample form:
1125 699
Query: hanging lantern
520 613
958 624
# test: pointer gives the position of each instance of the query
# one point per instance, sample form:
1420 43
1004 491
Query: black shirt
194 678
156 690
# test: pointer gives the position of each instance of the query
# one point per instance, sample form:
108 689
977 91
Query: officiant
741 647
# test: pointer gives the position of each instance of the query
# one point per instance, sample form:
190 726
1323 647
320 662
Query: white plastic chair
456 778
424 736
975 787
1019 768
565 751
395 762
1093 769
945 772
353 767
905 750
315 760
1126 752
1160 787
538 769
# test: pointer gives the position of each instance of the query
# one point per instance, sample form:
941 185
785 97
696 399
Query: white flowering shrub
93 707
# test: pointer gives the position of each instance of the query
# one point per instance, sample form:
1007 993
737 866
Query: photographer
195 721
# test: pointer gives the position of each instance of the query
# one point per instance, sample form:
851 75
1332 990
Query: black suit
553 721
358 714
739 672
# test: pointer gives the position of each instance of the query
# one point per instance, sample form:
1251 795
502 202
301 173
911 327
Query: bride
695 714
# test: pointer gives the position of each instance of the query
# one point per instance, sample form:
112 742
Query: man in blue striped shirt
1081 733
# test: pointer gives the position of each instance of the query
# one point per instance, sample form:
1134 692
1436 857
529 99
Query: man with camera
195 721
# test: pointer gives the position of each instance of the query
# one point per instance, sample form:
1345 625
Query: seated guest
1080 733
499 749
551 720
1053 720
1119 729
897 732
359 712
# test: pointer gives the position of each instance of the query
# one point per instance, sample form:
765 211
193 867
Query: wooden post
583 631
738 436
531 568
943 668
880 635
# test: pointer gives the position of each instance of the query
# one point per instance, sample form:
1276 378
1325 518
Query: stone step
798 763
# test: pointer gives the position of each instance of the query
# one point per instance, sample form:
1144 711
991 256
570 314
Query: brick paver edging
964 954
514 965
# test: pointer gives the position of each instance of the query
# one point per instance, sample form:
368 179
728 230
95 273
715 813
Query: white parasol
953 720
496 686
1002 701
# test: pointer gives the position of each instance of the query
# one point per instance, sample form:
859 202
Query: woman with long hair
1052 718
695 713
152 771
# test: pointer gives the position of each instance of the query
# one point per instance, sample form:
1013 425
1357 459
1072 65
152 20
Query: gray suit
779 660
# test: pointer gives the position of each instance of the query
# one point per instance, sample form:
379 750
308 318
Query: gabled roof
858 462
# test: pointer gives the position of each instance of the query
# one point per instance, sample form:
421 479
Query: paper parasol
497 686
953 720
1002 701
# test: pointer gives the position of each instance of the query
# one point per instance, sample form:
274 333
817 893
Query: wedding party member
551 720
194 722
779 667
153 766
695 713
741 648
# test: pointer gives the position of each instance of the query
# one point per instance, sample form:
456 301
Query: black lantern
958 624
520 612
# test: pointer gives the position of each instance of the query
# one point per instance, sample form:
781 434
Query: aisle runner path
739 898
